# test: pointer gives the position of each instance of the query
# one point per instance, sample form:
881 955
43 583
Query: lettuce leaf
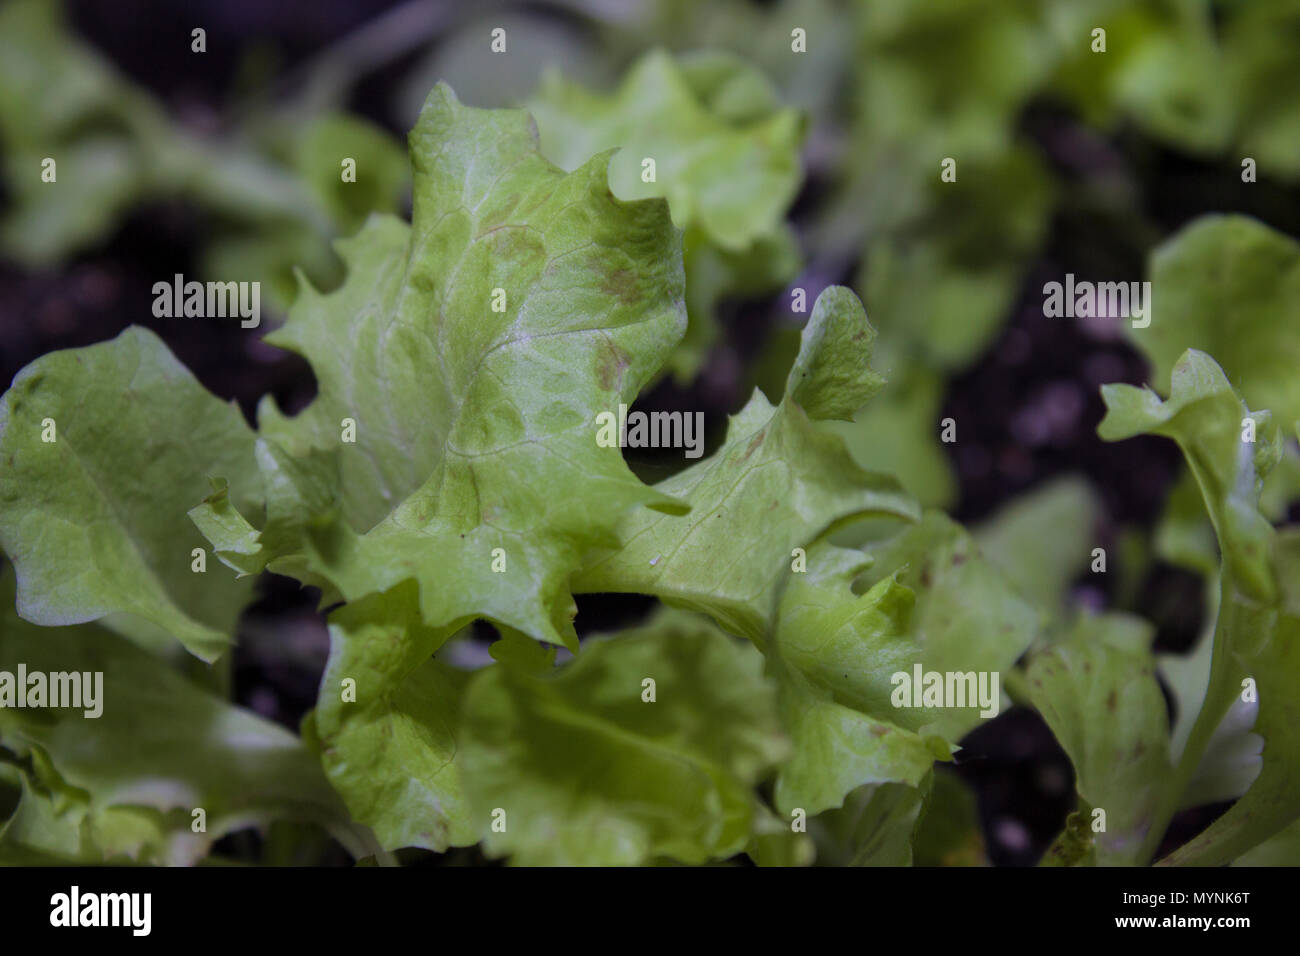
777 483
1097 691
590 772
1257 633
1225 285
732 179
726 159
123 785
495 461
95 521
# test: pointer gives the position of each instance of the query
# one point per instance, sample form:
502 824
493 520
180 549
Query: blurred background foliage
792 172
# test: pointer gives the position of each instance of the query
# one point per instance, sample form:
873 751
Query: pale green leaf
1266 649
95 521
388 724
967 619
930 601
1208 421
776 484
1098 692
475 467
733 179
128 780
1228 286
587 770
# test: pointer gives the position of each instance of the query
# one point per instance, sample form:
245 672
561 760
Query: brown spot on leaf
621 284
1110 702
611 362
754 443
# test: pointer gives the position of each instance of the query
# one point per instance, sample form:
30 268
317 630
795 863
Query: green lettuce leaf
1232 757
1265 647
1205 417
392 751
832 657
125 782
587 771
1097 691
476 430
777 483
1281 849
968 616
94 521
850 623
52 826
272 191
1260 68
729 86
732 179
874 827
1226 285
942 283
1257 632
726 159
949 833
898 433
1161 69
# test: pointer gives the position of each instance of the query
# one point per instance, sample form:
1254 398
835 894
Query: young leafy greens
447 472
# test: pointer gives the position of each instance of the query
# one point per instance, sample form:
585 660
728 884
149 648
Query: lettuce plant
448 472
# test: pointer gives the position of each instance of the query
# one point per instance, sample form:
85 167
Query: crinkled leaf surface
476 430
392 749
931 600
967 618
1097 690
95 521
832 656
588 772
734 179
52 826
127 780
776 484
726 159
